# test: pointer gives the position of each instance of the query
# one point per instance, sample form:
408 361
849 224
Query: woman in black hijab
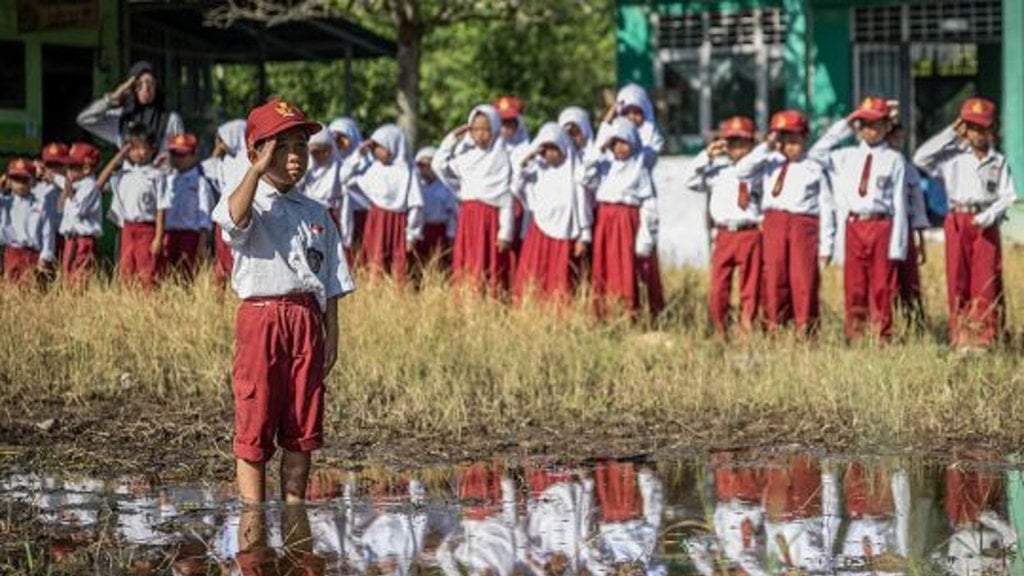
137 100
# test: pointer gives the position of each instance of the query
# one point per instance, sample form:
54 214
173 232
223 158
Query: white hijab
233 166
321 182
393 186
232 133
635 95
624 177
345 127
579 117
553 198
488 171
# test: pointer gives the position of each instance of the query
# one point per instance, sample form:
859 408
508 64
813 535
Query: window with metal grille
690 30
935 21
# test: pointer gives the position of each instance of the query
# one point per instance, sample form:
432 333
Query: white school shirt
102 119
561 212
362 171
189 200
495 544
717 176
885 189
806 189
558 522
446 168
590 174
290 245
83 210
440 206
809 541
968 179
885 535
49 193
980 548
27 225
138 194
321 183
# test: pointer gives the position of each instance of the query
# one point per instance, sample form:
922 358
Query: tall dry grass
425 364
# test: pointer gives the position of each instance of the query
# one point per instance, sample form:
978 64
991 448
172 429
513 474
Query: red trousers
181 251
224 261
278 376
545 268
867 492
384 245
78 262
20 265
734 252
791 277
971 492
869 277
974 281
137 262
477 262
794 490
480 485
617 271
737 480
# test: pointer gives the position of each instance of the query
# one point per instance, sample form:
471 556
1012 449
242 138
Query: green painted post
1013 87
795 54
634 50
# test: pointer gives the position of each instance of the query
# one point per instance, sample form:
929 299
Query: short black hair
139 131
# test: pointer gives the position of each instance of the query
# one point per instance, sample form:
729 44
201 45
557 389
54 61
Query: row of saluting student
510 214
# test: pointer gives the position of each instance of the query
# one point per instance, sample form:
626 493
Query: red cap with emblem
275 117
509 107
737 127
21 168
182 143
83 153
789 121
978 111
871 109
55 152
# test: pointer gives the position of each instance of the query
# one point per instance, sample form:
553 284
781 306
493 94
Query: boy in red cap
190 201
734 208
516 140
27 231
81 209
50 172
869 182
980 190
798 226
289 271
138 206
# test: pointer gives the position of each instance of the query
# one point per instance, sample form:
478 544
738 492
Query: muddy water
727 513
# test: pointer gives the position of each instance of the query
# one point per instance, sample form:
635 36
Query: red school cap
21 168
55 152
509 107
182 143
871 109
789 121
737 127
82 153
978 111
275 117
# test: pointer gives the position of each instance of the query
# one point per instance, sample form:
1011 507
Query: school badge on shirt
314 257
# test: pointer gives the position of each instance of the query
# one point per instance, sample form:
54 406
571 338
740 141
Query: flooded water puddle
728 513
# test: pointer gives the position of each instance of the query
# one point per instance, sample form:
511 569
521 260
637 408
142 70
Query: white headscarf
581 119
554 198
232 168
321 182
232 133
487 171
624 177
425 153
650 136
348 128
393 186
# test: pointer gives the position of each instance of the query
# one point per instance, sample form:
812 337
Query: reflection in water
732 513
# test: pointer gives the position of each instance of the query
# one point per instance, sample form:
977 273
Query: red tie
743 201
865 176
777 189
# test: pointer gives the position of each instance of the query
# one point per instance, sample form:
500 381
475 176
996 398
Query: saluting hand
118 94
717 147
461 131
264 156
773 140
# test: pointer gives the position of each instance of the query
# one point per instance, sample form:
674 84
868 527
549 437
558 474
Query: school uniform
797 228
440 217
81 226
560 218
29 236
626 226
482 178
558 518
651 139
630 505
877 505
578 117
869 185
734 208
322 182
395 221
980 191
982 541
517 147
802 515
139 193
392 535
355 206
222 174
187 218
908 273
288 263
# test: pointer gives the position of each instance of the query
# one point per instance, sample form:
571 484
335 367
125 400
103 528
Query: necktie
743 200
865 176
777 188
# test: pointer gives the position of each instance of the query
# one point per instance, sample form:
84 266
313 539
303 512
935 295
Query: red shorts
278 376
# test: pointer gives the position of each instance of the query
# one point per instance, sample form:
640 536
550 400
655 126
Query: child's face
183 161
51 169
509 127
874 132
635 114
552 155
343 142
291 157
19 185
140 151
382 154
578 138
76 172
145 89
737 148
426 170
621 149
320 155
978 136
480 131
792 144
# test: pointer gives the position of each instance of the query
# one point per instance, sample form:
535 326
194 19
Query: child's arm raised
240 201
112 165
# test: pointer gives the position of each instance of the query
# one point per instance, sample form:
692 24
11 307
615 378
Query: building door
67 89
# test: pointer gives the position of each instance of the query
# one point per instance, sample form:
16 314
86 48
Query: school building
57 56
